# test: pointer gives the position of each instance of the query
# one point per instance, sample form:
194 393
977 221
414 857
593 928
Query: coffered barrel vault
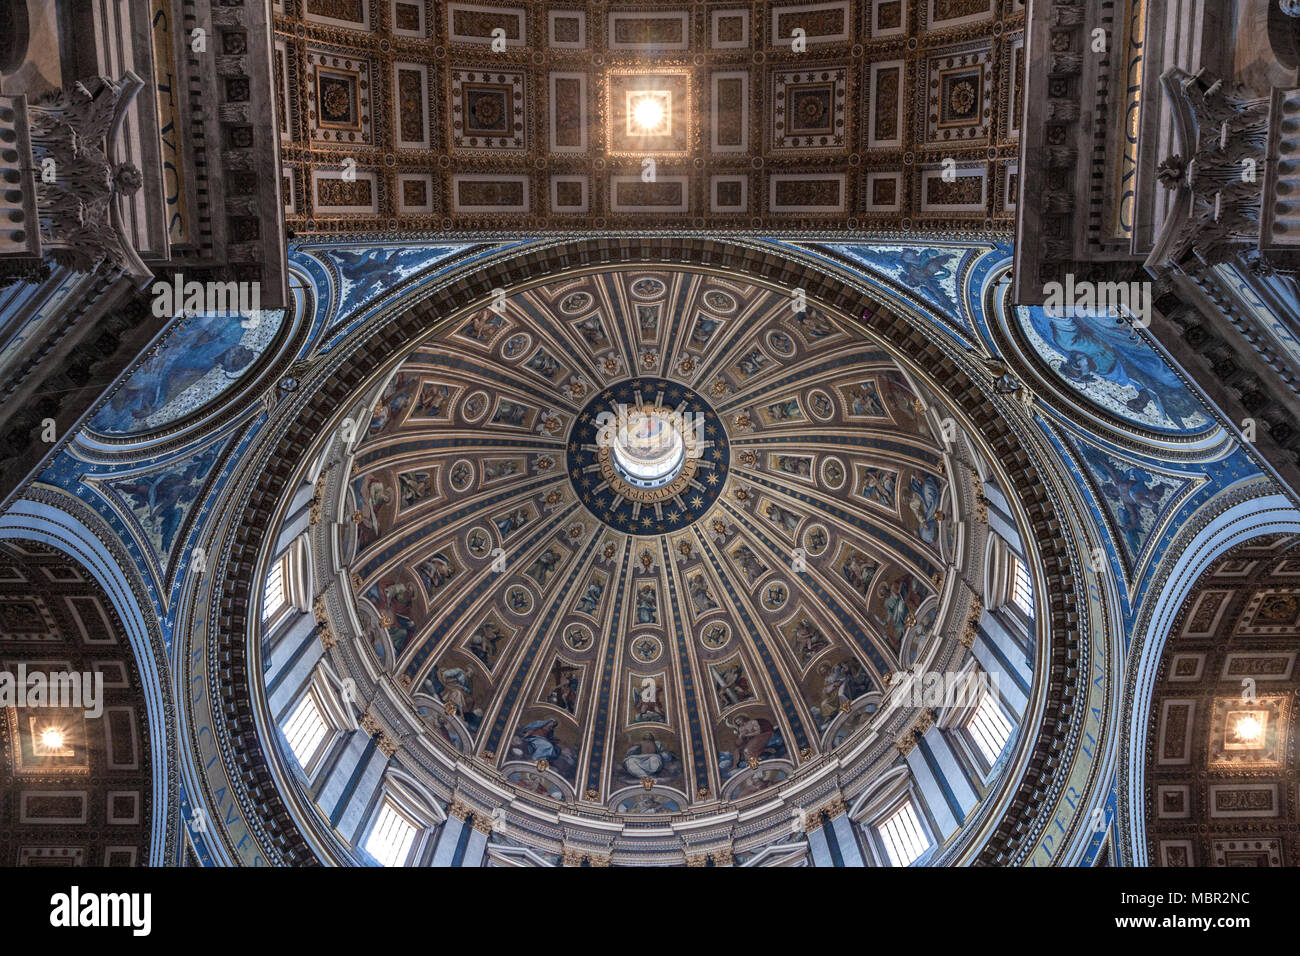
1221 751
459 116
79 784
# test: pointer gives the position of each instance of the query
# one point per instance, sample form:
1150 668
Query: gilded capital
318 608
923 723
835 806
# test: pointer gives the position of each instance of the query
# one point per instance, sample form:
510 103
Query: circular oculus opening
649 450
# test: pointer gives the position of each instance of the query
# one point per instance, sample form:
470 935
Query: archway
136 645
75 741
1219 761
1177 675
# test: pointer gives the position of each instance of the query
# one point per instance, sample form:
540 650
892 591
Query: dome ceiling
683 605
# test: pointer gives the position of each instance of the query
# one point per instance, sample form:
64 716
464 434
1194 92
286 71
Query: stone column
451 836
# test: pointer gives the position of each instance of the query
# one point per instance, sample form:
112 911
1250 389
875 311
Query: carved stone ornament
835 806
1222 128
319 609
923 723
1172 171
572 857
78 187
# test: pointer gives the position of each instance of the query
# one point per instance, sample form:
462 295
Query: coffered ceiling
1221 758
409 114
82 797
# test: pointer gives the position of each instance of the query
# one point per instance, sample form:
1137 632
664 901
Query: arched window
404 823
274 602
892 824
1022 589
392 835
315 717
288 583
988 728
977 722
307 732
1009 613
903 836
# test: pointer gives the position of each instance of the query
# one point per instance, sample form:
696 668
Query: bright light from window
1023 594
391 837
49 740
305 730
647 113
903 836
989 728
273 596
1248 729
650 450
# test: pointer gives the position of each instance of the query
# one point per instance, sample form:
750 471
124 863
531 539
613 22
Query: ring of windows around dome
440 635
401 759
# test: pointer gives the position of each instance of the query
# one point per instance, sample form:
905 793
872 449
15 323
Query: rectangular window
903 836
273 600
391 837
989 728
305 730
1023 594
